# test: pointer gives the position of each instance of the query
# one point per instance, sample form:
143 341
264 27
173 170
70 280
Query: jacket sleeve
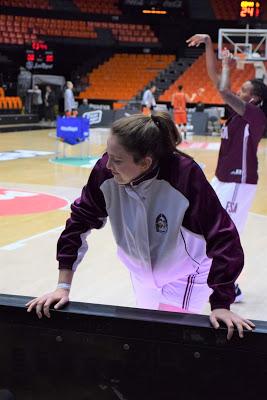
87 212
207 217
256 119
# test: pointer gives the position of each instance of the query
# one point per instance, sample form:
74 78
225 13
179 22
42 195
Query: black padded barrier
100 352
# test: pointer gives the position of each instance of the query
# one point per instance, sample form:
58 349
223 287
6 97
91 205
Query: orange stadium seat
28 29
10 103
3 103
94 7
124 75
38 4
196 77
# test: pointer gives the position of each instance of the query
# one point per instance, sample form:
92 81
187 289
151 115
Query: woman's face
245 92
122 164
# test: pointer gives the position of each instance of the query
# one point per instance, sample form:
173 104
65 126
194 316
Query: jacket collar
152 173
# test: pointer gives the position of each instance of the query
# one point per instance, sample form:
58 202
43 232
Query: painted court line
21 243
258 215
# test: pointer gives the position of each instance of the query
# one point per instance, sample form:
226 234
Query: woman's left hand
227 58
231 320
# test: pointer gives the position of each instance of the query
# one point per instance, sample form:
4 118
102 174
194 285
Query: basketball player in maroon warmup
236 175
177 241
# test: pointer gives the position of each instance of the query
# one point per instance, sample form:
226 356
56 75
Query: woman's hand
231 320
43 303
197 39
227 58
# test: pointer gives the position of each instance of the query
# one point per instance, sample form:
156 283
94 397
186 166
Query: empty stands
196 77
20 30
9 103
98 7
131 33
123 75
37 4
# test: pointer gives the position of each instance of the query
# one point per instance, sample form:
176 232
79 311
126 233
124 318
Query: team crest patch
161 223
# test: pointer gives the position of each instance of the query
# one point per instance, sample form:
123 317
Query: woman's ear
146 162
255 100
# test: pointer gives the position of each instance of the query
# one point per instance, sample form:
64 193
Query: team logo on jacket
161 223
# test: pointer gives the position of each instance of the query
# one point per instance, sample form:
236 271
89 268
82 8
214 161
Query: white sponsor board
94 116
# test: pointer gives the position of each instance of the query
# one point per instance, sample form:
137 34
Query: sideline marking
258 215
22 242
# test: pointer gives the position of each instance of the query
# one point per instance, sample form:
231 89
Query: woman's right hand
59 297
197 39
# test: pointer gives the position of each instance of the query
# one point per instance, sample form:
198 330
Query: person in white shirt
36 100
69 101
148 99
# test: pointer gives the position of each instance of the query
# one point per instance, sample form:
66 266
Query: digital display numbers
48 57
250 9
39 56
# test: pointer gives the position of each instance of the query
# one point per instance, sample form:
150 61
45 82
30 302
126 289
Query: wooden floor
28 242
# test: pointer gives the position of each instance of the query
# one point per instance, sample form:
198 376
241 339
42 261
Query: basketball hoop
240 61
247 41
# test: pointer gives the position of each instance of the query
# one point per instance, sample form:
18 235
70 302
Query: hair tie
156 122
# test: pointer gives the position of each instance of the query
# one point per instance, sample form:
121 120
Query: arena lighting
154 12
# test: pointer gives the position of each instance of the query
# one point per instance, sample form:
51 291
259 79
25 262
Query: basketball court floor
35 194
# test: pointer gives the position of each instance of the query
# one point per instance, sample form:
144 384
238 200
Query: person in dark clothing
49 103
5 394
83 108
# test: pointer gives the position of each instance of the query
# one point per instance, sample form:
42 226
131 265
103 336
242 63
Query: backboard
250 44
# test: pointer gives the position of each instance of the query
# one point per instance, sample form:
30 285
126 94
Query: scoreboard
250 9
39 56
